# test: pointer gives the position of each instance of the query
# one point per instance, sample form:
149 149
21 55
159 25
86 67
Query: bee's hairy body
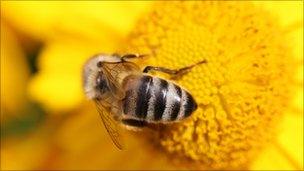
154 99
125 94
146 98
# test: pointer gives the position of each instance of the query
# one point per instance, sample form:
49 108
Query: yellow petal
288 12
97 148
58 84
44 20
60 92
296 41
34 18
14 72
297 102
286 153
271 159
24 153
291 139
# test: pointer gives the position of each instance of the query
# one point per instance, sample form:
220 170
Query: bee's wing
110 124
130 66
114 86
112 76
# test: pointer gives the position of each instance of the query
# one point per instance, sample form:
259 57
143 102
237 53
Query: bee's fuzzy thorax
90 73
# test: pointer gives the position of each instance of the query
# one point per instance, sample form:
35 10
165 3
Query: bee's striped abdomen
160 92
155 100
143 97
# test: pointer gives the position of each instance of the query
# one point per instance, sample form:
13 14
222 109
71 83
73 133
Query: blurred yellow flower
69 42
243 91
14 73
45 20
24 153
58 84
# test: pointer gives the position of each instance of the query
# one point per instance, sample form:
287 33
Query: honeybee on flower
123 93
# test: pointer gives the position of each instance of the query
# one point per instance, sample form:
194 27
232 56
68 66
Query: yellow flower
243 91
59 76
45 20
14 73
58 84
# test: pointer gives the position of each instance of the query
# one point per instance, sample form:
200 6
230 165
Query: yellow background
76 30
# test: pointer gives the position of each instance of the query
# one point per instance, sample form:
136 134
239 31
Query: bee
124 94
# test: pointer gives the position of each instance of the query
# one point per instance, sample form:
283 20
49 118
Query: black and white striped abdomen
156 100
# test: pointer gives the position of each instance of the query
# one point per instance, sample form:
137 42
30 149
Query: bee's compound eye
99 64
101 83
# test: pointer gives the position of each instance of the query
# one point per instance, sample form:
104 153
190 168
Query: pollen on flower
241 91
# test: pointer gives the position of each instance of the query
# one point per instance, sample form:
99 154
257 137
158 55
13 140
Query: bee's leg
133 124
173 71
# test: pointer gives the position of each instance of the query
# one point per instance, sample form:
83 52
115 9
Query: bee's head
95 83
